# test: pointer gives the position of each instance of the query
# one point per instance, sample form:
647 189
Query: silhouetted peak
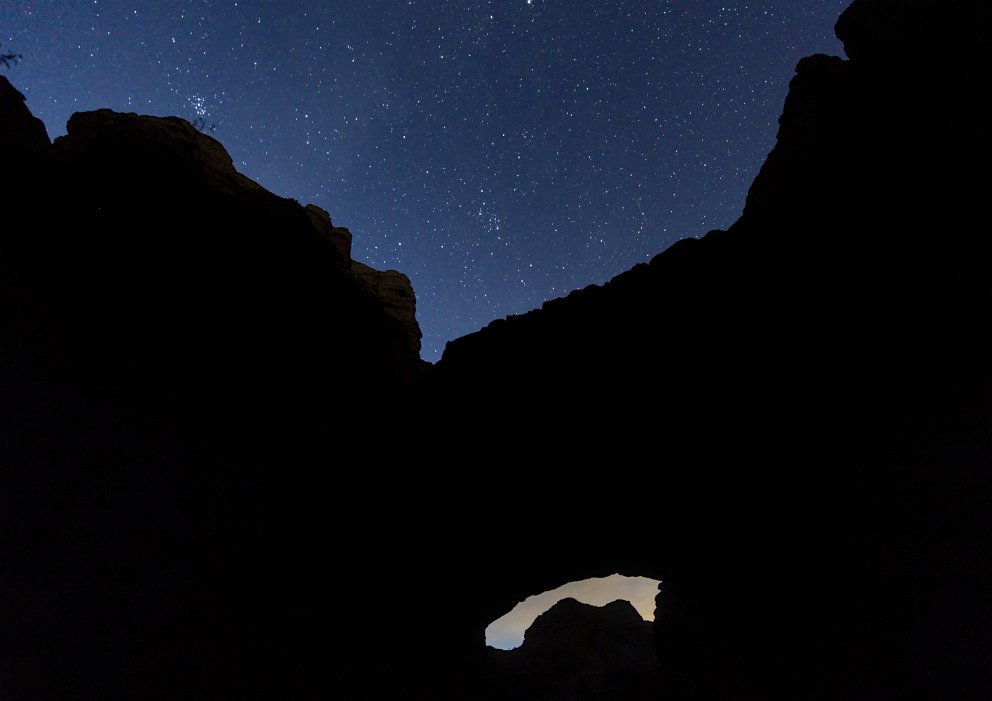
337 235
23 137
170 141
190 162
830 348
915 31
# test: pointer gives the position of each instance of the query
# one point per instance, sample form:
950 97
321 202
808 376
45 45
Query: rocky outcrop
803 401
578 651
928 35
23 137
168 142
339 236
395 293
200 252
391 288
187 365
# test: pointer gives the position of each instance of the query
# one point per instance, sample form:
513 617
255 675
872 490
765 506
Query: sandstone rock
826 355
395 293
391 288
339 236
170 140
188 366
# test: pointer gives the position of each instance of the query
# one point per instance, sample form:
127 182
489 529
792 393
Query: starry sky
501 153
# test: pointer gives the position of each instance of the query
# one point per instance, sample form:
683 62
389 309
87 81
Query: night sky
499 153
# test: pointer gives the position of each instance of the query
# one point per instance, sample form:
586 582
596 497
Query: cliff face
802 401
395 293
186 363
23 137
157 251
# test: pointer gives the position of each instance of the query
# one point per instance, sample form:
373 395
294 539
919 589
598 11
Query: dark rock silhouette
395 293
176 340
218 482
577 651
802 401
23 137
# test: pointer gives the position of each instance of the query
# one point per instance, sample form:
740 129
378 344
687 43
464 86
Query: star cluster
501 153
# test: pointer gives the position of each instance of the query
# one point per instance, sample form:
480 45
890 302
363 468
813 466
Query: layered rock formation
395 293
187 362
202 258
802 402
577 651
391 288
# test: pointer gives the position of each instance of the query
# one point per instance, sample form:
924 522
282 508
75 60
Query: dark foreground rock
579 652
800 405
187 360
215 485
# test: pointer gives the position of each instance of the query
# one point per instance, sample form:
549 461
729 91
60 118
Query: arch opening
507 632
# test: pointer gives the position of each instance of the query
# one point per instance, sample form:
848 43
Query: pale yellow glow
508 632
